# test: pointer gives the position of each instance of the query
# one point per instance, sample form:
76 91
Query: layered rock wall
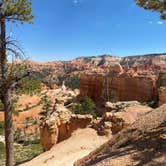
118 87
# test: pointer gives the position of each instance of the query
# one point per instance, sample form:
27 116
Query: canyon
124 90
123 86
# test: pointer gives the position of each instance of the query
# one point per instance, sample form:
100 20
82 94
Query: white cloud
75 1
157 22
160 22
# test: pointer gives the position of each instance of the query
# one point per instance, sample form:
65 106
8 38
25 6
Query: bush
47 105
29 86
86 106
72 82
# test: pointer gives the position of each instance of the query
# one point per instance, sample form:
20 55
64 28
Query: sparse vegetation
29 86
29 107
72 82
85 106
22 152
47 105
1 128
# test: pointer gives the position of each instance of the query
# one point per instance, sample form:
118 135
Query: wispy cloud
156 22
160 22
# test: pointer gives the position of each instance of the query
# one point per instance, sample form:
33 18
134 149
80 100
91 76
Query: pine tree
15 11
154 5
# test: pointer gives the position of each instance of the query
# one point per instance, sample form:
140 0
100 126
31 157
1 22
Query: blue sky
65 29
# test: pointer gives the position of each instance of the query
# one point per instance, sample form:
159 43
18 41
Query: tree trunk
6 97
8 129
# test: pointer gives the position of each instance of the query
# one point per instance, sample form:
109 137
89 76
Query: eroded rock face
48 136
162 95
119 106
119 116
59 123
161 83
122 86
60 126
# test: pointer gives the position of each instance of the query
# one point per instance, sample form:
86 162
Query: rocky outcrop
118 85
50 72
161 83
60 125
120 115
142 143
162 95
119 106
150 60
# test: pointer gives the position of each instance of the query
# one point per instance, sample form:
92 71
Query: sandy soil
80 144
141 144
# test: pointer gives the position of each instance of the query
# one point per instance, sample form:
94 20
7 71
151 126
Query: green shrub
29 86
47 105
72 82
86 106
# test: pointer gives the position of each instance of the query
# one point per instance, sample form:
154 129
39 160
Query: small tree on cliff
154 5
10 10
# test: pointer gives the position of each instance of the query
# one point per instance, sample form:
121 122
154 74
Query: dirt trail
80 144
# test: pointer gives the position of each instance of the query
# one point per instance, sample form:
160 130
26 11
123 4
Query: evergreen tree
15 11
154 5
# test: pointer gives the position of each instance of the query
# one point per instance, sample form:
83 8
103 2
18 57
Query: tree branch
17 79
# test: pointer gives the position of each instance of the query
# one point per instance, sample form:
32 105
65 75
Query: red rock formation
54 133
49 137
162 95
161 83
120 115
92 86
126 86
